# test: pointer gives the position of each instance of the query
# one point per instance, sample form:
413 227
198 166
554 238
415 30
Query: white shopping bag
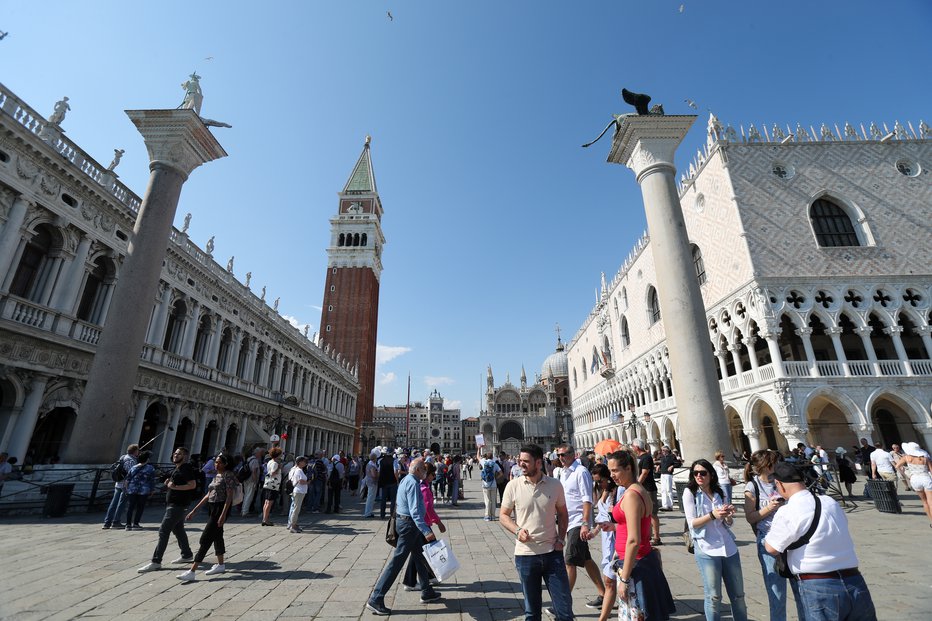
441 559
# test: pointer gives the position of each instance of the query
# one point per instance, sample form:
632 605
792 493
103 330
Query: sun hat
841 450
913 450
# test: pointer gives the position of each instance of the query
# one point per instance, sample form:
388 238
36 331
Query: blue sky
498 223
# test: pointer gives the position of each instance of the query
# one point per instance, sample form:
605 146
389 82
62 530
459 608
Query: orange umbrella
607 446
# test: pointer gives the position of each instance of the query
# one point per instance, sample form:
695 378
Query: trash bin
680 487
884 495
57 500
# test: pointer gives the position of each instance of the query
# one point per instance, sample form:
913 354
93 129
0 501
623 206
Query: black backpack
319 472
334 477
245 471
118 470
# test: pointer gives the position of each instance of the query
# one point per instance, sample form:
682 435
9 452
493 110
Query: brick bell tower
349 318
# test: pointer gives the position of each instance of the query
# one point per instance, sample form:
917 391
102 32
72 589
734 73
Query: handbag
440 557
391 532
782 565
688 538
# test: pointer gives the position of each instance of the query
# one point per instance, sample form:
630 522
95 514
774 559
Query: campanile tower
349 318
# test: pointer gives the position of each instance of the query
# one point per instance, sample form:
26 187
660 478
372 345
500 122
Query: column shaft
26 421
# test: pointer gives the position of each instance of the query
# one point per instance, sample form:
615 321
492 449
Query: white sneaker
218 568
149 567
187 576
183 560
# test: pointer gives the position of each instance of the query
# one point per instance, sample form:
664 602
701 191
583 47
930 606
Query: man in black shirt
646 478
180 488
668 463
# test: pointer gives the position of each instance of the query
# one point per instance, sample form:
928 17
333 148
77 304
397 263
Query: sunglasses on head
700 473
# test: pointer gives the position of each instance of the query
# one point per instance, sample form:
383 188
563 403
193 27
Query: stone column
49 278
135 429
241 436
894 332
168 443
794 435
926 335
776 358
203 414
213 349
752 353
177 142
865 333
191 327
26 421
65 297
233 359
805 334
11 234
646 144
835 334
160 316
753 438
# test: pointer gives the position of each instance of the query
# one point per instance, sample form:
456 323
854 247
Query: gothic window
34 265
653 306
356 239
365 239
615 305
832 225
595 361
575 380
699 264
342 239
96 287
625 332
174 331
585 375
624 298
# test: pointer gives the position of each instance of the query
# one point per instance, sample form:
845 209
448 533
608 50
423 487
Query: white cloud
452 404
387 353
386 378
297 324
441 380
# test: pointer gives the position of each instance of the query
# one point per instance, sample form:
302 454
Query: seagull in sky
3 35
209 58
389 13
691 104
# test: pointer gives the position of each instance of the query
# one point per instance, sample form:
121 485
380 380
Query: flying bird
3 35
691 104
389 13
209 58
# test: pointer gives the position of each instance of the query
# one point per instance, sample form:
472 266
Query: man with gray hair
411 524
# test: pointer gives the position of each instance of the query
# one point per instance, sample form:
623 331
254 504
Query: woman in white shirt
710 519
761 502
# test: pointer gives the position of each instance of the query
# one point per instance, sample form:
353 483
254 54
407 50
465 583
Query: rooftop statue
187 223
230 264
192 93
210 245
275 304
117 156
248 278
61 109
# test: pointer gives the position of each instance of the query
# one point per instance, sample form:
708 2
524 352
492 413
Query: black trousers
212 534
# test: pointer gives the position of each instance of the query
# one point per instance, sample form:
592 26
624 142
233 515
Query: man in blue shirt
410 524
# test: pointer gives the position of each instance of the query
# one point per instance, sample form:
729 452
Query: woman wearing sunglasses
710 519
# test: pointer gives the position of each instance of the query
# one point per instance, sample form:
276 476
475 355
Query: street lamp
273 425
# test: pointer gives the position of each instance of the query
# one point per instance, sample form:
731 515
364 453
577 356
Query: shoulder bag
391 532
782 565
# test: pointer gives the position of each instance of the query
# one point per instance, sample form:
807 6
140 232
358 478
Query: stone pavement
69 568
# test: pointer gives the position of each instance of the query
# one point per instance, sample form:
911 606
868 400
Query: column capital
835 331
864 330
751 432
772 333
890 331
177 139
801 332
642 142
924 331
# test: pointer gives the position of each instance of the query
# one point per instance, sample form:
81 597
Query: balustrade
830 368
29 314
921 367
796 369
860 368
891 367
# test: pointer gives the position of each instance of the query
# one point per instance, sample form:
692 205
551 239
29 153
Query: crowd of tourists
554 504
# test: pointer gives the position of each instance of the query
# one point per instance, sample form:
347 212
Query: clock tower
350 315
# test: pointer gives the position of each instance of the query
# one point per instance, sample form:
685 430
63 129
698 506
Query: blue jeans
316 494
774 583
410 540
297 501
551 569
713 570
836 599
117 504
456 492
388 491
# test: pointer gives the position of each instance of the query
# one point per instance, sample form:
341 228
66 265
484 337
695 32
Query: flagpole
408 412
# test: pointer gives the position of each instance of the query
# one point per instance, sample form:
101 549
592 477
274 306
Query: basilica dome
555 363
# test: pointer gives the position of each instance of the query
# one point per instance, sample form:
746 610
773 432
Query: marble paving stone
69 569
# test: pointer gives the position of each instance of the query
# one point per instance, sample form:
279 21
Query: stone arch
912 409
155 420
51 433
736 426
830 416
